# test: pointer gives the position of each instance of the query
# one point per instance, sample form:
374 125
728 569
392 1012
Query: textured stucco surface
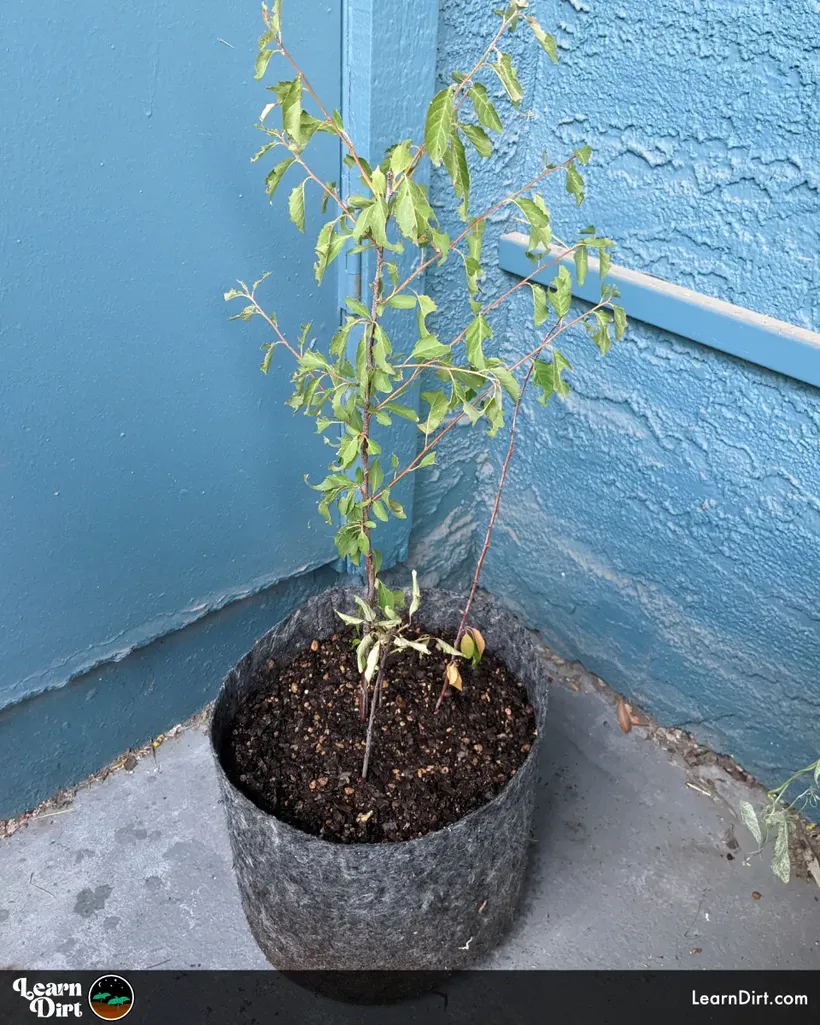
662 525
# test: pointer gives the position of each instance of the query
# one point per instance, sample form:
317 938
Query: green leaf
437 402
291 101
264 366
503 67
477 333
584 153
261 152
438 128
455 161
581 263
276 175
357 307
403 411
599 332
620 326
402 301
328 247
604 263
560 295
428 348
349 451
378 183
484 109
540 310
296 206
575 184
750 821
262 62
508 383
479 139
538 219
338 343
427 460
547 377
404 210
545 39
401 157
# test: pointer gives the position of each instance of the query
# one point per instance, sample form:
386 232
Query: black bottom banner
411 998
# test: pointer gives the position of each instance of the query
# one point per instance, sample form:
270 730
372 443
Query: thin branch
342 135
514 366
493 518
375 700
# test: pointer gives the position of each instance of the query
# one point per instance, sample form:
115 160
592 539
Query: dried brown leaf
624 718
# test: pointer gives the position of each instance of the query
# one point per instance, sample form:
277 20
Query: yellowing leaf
454 676
480 643
467 646
624 718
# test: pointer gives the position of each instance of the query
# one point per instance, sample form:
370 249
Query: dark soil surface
296 746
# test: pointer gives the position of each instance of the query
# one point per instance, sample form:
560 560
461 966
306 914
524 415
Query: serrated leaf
604 263
437 401
484 109
438 127
275 176
404 411
477 333
455 163
560 294
358 307
291 100
581 263
584 153
540 308
478 138
261 152
547 377
403 301
503 67
401 157
620 325
545 39
296 206
428 348
262 61
508 383
405 210
750 821
575 184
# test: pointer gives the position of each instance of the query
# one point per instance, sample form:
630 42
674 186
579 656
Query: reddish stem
493 518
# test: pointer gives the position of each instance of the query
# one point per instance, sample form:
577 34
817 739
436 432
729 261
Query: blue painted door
148 470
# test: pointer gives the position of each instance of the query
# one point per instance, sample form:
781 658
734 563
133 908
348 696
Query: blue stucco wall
662 525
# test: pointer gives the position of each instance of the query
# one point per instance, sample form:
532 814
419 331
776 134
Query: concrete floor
629 870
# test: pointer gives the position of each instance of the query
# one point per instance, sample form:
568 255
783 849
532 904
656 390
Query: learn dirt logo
111 997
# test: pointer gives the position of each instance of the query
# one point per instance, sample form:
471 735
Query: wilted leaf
624 718
478 638
749 817
467 646
781 864
454 676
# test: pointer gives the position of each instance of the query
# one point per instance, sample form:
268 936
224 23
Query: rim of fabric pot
433 903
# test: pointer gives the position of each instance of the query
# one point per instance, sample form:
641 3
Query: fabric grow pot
438 903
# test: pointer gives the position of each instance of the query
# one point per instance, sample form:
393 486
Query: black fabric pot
437 903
